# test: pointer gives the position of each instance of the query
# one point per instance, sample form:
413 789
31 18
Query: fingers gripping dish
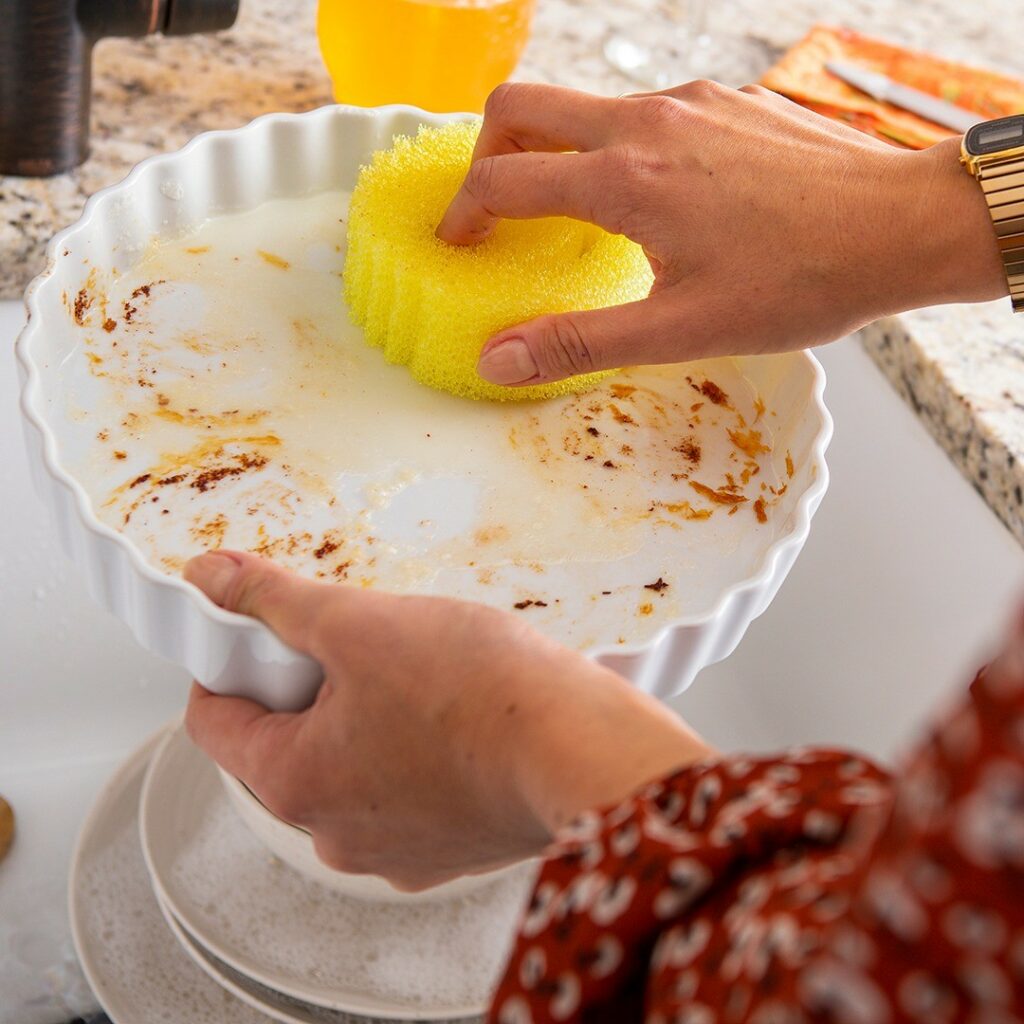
431 305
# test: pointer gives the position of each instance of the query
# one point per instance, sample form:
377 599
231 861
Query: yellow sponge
432 305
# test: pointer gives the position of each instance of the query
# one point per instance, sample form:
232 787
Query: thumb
254 586
561 345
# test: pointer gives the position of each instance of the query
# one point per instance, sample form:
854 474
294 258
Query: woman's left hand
448 737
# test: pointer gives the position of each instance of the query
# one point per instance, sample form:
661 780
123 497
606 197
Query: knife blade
883 88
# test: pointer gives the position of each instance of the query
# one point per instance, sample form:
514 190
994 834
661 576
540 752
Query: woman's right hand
768 227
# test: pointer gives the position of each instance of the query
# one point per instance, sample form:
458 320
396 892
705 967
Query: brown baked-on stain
6 827
645 609
326 548
211 477
723 496
690 450
142 292
83 302
109 325
273 259
749 442
684 509
224 420
182 469
491 535
521 605
713 393
211 533
760 511
620 416
657 586
789 465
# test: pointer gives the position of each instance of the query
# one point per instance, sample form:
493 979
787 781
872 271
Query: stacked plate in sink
180 913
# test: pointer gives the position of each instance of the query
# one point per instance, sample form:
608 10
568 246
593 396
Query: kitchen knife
883 88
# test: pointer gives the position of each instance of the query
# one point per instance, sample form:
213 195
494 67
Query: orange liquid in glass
442 55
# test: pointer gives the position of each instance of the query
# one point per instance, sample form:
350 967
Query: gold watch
993 152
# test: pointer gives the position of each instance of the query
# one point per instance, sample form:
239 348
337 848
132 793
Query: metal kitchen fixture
46 69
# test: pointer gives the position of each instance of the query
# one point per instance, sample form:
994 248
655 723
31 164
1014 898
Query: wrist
594 740
948 233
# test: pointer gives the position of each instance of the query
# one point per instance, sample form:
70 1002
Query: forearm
593 743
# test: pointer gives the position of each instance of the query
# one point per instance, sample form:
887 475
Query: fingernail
509 362
212 573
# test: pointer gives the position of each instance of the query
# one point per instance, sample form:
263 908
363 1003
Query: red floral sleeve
809 887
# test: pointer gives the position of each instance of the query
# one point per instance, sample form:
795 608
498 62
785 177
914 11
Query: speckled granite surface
961 368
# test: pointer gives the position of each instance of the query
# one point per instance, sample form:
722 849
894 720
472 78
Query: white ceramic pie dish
293 155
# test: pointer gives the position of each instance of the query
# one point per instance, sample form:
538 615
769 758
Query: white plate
274 1004
133 963
722 576
434 960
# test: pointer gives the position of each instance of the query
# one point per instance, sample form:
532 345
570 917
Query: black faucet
46 69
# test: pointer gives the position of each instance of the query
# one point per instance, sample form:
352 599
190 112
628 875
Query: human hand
768 227
448 737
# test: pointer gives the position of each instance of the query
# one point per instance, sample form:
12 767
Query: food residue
590 487
689 449
83 301
723 496
326 548
713 393
273 260
749 442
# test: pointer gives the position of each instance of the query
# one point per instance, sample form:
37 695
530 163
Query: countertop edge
985 459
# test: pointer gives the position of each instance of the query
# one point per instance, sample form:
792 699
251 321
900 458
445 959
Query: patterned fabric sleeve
798 889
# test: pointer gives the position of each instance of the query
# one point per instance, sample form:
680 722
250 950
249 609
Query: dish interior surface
213 393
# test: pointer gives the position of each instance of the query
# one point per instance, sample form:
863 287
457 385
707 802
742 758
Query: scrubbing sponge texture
431 305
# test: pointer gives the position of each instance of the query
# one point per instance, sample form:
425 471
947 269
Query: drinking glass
442 55
657 56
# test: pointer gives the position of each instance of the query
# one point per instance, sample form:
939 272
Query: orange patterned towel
801 76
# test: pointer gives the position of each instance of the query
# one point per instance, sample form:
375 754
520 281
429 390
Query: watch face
995 136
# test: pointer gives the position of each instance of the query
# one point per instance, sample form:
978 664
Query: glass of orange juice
442 55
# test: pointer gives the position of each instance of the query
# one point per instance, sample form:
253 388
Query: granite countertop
961 368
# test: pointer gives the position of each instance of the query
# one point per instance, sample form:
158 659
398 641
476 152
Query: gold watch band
1002 181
